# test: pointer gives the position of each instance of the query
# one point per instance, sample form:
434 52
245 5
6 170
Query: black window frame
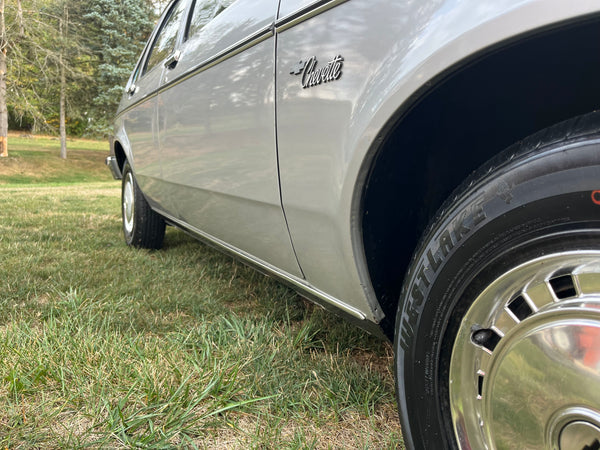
164 19
218 9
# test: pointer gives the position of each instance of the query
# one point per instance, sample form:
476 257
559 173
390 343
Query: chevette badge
313 75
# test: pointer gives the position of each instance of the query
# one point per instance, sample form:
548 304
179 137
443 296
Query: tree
117 32
3 107
27 50
64 35
12 39
7 41
51 50
68 61
24 67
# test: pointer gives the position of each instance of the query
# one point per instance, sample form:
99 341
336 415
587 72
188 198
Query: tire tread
149 226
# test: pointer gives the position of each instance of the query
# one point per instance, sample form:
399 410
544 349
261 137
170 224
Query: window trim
158 30
250 41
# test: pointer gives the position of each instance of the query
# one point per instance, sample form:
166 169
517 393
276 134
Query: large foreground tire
142 226
498 328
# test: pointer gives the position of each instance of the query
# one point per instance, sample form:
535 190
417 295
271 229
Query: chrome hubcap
580 435
128 203
525 367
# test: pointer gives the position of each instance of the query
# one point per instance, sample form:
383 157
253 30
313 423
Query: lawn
35 160
107 346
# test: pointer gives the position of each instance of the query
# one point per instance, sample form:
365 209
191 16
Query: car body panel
141 125
235 95
217 138
329 133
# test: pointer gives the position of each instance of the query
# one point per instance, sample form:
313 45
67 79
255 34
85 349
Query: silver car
429 169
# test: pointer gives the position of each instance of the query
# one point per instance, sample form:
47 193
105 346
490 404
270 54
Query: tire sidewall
129 236
524 206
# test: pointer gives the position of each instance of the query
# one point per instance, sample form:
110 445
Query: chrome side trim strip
231 51
296 282
306 13
141 100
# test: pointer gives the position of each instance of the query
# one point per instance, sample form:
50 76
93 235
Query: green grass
107 346
36 161
52 143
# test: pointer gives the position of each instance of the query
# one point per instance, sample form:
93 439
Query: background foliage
96 43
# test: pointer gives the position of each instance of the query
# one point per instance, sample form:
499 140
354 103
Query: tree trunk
3 108
63 86
63 128
20 19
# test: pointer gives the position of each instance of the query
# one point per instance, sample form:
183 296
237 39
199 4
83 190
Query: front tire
498 327
142 226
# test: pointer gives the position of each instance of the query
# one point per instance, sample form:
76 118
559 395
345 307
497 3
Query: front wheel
142 226
498 328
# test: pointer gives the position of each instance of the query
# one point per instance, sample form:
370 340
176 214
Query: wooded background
63 63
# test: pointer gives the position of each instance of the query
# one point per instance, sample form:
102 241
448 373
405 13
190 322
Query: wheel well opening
120 155
475 112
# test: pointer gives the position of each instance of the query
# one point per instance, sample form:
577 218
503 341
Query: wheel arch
119 154
454 124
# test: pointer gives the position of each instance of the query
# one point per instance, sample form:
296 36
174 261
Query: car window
132 80
164 43
139 65
203 12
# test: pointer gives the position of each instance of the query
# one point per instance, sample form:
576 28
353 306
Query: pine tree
117 32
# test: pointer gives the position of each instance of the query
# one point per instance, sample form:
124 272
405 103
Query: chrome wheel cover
525 365
128 203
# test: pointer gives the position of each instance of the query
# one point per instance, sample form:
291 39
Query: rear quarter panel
329 133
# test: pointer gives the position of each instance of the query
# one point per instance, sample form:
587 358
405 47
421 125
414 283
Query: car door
216 111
